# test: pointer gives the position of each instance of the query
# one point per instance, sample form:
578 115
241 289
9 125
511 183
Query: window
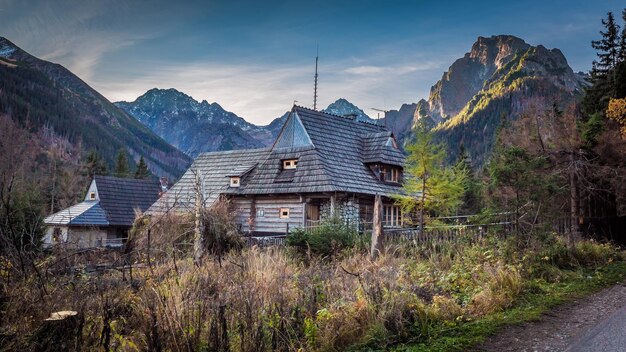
92 195
391 174
56 235
284 213
260 212
290 164
392 216
234 181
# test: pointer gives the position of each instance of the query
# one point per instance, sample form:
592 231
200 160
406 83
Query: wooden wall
271 221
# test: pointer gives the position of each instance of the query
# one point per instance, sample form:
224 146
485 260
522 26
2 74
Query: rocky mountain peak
7 48
343 107
496 51
489 60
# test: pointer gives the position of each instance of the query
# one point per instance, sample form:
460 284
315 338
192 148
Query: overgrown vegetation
329 239
270 299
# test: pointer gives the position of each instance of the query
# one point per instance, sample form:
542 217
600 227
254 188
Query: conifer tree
472 196
429 186
622 40
142 169
608 52
121 165
95 164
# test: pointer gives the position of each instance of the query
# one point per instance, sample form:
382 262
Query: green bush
329 238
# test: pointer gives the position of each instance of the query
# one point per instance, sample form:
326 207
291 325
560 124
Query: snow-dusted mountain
342 107
195 127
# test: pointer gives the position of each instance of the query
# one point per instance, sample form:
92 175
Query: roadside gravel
564 327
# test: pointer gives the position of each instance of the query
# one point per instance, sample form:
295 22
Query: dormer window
92 195
235 181
390 174
290 164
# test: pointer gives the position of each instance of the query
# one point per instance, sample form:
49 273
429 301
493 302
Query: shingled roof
213 170
116 203
120 197
333 153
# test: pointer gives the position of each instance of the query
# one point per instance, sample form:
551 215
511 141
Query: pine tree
95 164
622 40
429 186
472 196
142 169
121 165
608 52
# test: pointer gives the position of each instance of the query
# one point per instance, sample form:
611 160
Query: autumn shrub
616 110
329 238
163 234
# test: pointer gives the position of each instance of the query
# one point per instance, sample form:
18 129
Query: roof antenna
378 119
315 87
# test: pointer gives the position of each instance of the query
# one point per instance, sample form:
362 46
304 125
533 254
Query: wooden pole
198 243
378 235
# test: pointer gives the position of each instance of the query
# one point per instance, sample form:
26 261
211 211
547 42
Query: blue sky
256 57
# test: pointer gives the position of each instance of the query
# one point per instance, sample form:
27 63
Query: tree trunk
422 206
378 235
574 200
198 243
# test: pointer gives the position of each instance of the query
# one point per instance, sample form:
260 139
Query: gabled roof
213 171
121 197
333 153
381 147
339 144
87 213
118 199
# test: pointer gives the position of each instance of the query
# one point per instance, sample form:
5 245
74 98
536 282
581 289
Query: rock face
500 78
467 75
401 121
196 127
193 126
40 95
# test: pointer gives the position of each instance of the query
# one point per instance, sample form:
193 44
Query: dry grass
270 299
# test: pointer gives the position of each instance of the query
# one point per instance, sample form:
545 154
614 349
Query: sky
255 58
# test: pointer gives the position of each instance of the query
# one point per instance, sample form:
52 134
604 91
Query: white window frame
290 164
392 216
235 181
281 213
260 212
92 195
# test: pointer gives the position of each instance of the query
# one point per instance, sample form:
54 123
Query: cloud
262 92
363 70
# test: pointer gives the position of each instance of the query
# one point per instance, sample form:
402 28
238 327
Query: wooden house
106 214
320 165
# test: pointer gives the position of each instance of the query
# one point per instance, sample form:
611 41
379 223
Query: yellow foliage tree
617 111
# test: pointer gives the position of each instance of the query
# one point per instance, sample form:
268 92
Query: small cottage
320 165
106 214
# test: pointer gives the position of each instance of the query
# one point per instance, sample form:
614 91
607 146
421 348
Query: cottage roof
213 170
116 203
332 154
381 147
87 213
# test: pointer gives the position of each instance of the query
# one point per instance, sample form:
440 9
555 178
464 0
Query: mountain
342 107
501 78
195 127
40 95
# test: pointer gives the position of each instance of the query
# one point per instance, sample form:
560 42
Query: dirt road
593 323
